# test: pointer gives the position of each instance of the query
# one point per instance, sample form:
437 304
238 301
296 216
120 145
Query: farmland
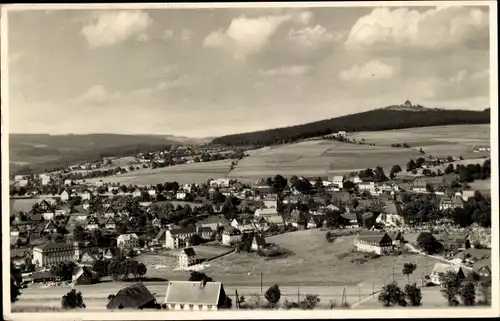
318 158
322 158
439 141
183 174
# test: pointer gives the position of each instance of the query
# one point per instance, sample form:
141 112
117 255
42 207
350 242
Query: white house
137 193
187 257
178 238
92 223
258 242
266 212
379 243
194 296
270 201
152 192
64 196
181 195
68 182
86 195
338 181
130 240
231 235
441 269
48 215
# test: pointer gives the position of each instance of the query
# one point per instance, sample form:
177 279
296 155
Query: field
183 174
439 141
482 186
318 158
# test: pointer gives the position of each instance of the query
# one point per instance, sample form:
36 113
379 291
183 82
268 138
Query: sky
211 72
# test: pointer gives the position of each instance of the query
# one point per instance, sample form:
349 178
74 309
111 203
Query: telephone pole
298 294
261 276
237 299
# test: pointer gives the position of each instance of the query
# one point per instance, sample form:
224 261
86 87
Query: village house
135 296
466 195
125 241
397 238
337 181
275 220
266 212
50 227
187 257
136 193
68 182
86 205
270 201
177 238
194 296
213 222
258 242
450 203
84 275
315 221
297 219
231 236
152 192
440 269
205 233
88 259
419 186
378 243
49 215
181 195
92 223
53 253
113 253
351 218
86 195
64 196
110 223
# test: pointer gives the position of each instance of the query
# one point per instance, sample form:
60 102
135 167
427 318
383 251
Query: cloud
295 70
167 34
108 28
373 69
97 94
143 37
248 35
161 71
313 37
186 35
444 26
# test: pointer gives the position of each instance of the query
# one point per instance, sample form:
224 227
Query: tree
413 294
379 174
72 300
279 183
450 285
391 294
394 170
195 240
449 169
141 269
273 295
310 301
79 233
15 283
348 185
429 243
200 276
63 270
467 293
408 269
411 165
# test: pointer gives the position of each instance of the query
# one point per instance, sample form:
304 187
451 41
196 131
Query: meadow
183 174
439 141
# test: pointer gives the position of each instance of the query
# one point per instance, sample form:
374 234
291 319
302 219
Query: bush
413 294
72 300
273 295
330 237
428 243
275 252
309 302
391 294
467 293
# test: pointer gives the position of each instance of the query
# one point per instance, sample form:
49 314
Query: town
86 234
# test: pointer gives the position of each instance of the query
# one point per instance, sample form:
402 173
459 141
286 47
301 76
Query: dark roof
259 239
187 230
374 238
231 231
42 275
206 229
133 297
189 251
160 234
55 246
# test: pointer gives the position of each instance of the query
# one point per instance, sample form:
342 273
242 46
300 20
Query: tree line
374 120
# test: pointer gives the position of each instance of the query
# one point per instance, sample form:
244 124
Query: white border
255 314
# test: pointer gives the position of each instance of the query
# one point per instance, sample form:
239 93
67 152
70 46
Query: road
95 296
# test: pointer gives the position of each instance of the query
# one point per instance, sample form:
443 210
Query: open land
322 158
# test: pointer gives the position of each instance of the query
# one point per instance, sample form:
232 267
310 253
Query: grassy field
438 141
183 174
318 158
316 261
484 186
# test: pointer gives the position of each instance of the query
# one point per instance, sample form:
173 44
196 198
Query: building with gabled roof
258 242
187 257
378 243
194 296
177 238
53 253
135 296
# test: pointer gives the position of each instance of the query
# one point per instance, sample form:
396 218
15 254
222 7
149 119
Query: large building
53 253
194 296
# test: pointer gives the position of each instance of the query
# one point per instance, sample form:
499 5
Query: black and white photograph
250 160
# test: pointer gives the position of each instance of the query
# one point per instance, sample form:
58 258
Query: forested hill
392 117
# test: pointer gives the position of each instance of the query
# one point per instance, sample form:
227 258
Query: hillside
44 151
391 117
